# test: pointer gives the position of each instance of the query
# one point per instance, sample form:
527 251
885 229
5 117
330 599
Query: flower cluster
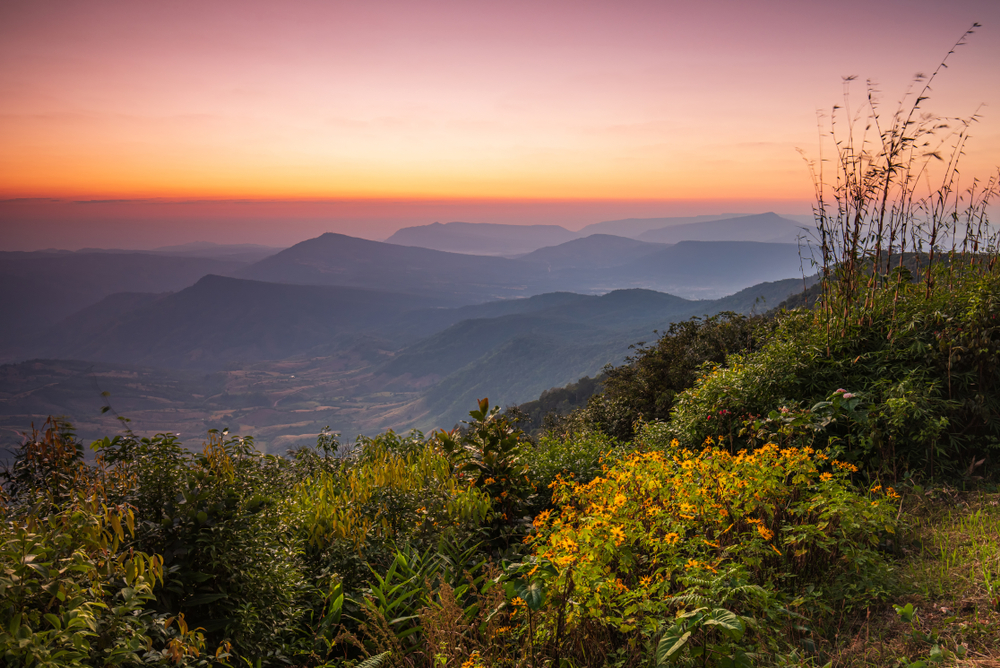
626 537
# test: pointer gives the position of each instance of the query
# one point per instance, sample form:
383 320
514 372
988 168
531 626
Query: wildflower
825 476
618 535
517 600
764 532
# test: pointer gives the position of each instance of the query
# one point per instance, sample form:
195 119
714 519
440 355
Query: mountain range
357 334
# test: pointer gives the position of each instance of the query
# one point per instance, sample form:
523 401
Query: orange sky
362 117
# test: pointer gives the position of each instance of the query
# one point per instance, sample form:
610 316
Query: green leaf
727 621
670 644
532 592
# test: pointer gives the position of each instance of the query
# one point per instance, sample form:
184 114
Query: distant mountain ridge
482 238
596 251
633 227
42 288
338 259
220 320
700 270
763 227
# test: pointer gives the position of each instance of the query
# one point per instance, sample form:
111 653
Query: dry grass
950 573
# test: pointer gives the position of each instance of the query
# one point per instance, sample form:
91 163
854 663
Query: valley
356 335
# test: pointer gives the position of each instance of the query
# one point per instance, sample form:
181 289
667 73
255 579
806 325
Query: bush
663 525
646 387
231 560
925 365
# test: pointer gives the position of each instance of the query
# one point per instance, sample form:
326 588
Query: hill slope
42 288
337 259
596 250
221 320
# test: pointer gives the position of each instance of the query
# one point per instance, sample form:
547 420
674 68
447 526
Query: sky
137 124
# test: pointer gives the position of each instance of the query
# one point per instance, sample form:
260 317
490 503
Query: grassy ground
949 576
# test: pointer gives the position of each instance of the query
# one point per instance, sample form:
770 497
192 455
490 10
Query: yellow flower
618 535
517 600
764 532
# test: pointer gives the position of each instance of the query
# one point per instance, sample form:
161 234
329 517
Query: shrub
663 519
926 366
231 560
392 490
646 386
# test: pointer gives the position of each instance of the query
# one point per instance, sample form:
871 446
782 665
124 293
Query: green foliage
70 593
47 468
646 387
925 366
231 560
545 412
391 490
573 455
491 453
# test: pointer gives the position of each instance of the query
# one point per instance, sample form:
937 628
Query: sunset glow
504 111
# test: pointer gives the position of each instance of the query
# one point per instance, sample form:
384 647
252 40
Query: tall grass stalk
893 198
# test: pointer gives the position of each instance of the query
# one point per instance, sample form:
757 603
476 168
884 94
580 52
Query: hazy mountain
763 227
633 227
328 356
513 359
336 259
42 288
240 252
596 251
482 238
716 268
690 269
219 321
428 321
245 253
